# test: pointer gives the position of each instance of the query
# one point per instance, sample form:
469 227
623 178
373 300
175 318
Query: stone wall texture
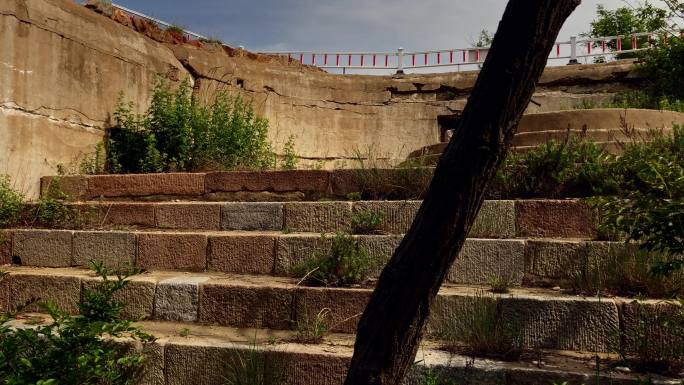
63 66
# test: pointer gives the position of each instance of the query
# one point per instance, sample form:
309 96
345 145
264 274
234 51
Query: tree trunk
392 324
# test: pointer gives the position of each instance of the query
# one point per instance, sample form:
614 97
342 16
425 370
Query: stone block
198 363
294 249
142 185
304 368
496 219
126 214
399 215
245 306
345 305
310 181
643 329
344 182
564 323
554 218
380 248
177 299
318 217
74 186
42 248
25 288
242 254
115 249
196 216
554 259
172 251
137 295
261 216
483 261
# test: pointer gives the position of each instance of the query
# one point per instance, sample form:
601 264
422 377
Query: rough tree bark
392 325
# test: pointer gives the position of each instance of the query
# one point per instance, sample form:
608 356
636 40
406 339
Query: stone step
482 261
543 319
496 219
194 354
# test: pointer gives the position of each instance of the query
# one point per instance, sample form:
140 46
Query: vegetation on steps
74 349
181 133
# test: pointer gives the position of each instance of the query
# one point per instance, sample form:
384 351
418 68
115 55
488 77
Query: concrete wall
62 67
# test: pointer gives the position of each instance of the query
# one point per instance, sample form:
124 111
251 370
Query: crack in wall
11 106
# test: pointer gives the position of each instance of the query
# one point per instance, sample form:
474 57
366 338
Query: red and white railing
572 51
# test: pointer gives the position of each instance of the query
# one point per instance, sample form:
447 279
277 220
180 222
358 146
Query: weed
354 196
345 263
11 202
377 181
52 210
290 158
429 377
175 29
74 349
184 332
484 331
312 331
94 163
502 283
211 40
367 221
254 367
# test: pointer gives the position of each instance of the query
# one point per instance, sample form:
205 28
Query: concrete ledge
544 319
496 219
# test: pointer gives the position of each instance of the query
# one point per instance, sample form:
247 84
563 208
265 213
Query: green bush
179 133
254 366
52 210
11 202
74 349
290 158
345 263
367 221
649 205
571 167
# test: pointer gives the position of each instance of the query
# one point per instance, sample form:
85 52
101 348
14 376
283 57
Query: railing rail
573 50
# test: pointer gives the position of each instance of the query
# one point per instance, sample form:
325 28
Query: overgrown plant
180 133
367 221
345 263
253 366
290 157
52 210
74 349
482 330
379 181
648 207
94 163
11 202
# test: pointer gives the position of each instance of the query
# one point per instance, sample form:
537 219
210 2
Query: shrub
664 67
367 221
11 202
345 263
179 133
484 331
383 182
573 166
94 163
649 205
74 349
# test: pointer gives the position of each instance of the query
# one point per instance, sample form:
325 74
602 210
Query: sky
345 25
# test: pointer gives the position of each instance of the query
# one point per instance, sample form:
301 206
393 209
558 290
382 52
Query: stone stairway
218 264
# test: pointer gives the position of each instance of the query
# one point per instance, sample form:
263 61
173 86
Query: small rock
539 363
556 288
623 369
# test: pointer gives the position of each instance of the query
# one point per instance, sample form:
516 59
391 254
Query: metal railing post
400 61
573 50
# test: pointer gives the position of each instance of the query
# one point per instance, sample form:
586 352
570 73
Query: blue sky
344 25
